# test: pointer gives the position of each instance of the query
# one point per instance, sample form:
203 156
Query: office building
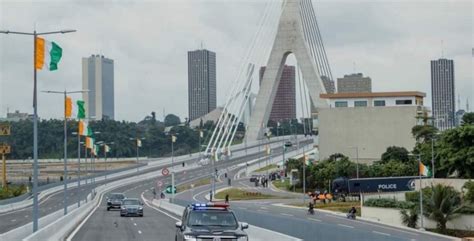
202 96
442 93
17 116
370 121
284 105
354 83
328 84
98 78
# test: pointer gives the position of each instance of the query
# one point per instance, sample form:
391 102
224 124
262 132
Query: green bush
388 203
469 186
412 196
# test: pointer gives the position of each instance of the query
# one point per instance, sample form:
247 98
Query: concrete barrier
255 233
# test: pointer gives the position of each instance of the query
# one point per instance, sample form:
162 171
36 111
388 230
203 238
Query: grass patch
271 166
13 191
285 186
342 207
200 182
241 194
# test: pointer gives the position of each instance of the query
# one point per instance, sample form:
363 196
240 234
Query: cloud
148 40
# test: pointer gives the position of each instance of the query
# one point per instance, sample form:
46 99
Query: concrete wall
392 216
372 129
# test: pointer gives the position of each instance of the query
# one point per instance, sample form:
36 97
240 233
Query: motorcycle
351 216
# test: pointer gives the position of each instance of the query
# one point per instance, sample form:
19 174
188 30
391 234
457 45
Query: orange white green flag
424 170
47 55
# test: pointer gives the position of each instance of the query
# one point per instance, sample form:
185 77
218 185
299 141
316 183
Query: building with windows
369 121
98 78
354 83
202 97
284 105
442 93
17 116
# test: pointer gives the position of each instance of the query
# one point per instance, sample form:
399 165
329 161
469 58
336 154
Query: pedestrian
162 195
210 196
154 193
227 198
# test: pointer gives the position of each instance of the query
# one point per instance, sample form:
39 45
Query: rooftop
373 95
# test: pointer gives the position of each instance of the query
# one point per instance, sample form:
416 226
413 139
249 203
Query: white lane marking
343 225
263 207
375 225
131 219
242 208
286 214
194 197
314 219
135 224
74 232
139 231
386 234
151 206
26 216
13 220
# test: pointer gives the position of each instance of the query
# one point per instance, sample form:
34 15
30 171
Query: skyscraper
354 83
442 93
98 78
284 105
202 96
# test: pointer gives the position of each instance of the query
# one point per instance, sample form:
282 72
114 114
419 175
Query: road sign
5 148
159 183
4 129
168 189
165 171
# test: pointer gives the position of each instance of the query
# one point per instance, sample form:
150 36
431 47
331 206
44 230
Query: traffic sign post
4 149
4 129
165 171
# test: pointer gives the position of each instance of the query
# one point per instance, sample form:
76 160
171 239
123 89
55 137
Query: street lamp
418 156
101 143
138 142
65 93
357 158
35 118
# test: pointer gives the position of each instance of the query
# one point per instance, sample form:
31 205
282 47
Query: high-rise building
98 78
442 93
202 96
354 83
284 105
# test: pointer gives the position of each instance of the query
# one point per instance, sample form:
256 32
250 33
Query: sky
390 41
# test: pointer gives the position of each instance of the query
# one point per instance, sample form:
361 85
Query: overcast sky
392 42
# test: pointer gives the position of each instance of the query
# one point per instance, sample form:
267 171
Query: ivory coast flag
48 54
106 148
139 143
95 150
90 143
424 170
84 129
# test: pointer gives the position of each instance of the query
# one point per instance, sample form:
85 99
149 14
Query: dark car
115 200
253 178
288 144
210 221
131 207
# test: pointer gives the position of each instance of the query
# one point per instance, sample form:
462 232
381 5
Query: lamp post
35 118
78 167
418 156
65 93
138 142
357 159
105 145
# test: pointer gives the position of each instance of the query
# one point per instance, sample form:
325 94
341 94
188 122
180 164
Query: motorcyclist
352 213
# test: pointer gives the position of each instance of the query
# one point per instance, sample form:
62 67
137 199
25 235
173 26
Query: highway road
52 203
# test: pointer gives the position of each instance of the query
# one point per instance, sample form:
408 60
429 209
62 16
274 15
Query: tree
469 186
172 120
395 153
424 133
410 217
441 205
468 118
455 151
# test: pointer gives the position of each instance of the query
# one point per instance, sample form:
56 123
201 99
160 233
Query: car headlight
189 238
243 238
140 208
123 208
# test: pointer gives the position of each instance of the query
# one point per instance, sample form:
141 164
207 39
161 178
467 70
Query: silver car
131 207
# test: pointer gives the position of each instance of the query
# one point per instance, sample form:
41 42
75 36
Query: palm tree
441 205
410 217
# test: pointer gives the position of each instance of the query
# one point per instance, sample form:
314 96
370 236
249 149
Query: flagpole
421 194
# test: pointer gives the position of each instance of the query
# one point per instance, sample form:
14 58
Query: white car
204 161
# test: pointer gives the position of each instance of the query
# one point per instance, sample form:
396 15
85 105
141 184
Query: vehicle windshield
131 202
117 196
212 218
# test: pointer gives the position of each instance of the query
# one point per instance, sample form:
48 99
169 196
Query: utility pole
35 119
